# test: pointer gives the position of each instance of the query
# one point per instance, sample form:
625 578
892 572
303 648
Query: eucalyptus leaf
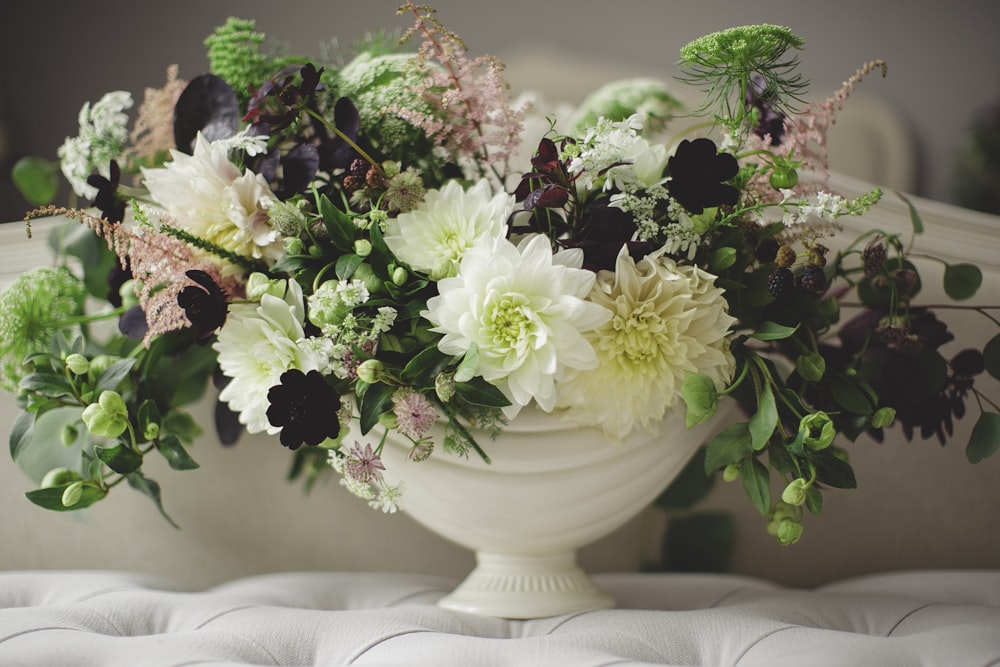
991 356
985 437
962 281
37 179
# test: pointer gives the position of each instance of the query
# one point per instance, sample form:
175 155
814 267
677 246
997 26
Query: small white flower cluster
826 206
331 308
627 160
102 138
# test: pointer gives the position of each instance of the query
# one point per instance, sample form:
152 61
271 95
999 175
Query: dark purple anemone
697 171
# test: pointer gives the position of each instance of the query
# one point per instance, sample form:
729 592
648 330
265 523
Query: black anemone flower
112 207
697 170
205 306
304 407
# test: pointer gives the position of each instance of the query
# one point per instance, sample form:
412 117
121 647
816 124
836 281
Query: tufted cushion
111 618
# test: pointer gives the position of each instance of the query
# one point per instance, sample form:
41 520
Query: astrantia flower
207 195
257 345
524 310
697 170
305 407
435 235
415 414
668 319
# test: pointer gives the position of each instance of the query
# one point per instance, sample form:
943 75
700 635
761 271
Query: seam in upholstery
382 640
762 638
907 615
212 619
31 630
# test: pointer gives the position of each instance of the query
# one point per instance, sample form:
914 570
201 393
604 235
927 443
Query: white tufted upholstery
81 619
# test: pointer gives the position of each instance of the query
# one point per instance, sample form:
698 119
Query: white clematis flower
525 311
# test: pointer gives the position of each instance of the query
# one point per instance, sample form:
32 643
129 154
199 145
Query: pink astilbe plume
153 132
159 264
806 138
475 121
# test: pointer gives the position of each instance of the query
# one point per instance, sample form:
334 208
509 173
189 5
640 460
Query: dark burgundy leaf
208 105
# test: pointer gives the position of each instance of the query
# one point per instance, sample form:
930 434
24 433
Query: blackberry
767 250
873 258
779 281
359 168
785 256
352 184
812 279
374 178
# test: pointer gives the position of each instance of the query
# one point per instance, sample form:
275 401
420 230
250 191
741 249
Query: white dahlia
525 310
207 195
258 343
435 235
668 319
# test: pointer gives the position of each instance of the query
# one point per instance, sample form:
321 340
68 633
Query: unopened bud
370 371
78 364
796 491
259 284
59 477
399 276
108 417
444 386
788 532
362 247
731 472
72 493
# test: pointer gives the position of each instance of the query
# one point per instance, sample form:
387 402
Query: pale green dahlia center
510 323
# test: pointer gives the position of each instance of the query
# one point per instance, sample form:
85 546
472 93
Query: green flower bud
817 430
151 431
387 420
294 246
259 284
795 492
108 417
72 493
399 276
365 274
315 250
731 473
370 371
784 178
77 364
788 532
59 477
68 434
362 247
444 386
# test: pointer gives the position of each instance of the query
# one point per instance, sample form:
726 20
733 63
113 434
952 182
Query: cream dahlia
434 236
668 319
207 195
524 310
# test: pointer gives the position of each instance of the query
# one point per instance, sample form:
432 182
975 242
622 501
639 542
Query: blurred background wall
944 59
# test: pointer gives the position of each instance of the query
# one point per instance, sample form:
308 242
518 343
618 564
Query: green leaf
730 446
175 454
347 265
764 420
849 394
722 259
773 331
180 424
701 542
114 374
376 400
424 367
700 397
148 487
918 225
689 487
814 501
756 483
47 384
962 281
478 391
51 497
37 179
833 471
985 438
343 232
120 458
991 356
20 433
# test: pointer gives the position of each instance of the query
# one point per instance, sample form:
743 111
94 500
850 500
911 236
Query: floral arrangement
380 243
